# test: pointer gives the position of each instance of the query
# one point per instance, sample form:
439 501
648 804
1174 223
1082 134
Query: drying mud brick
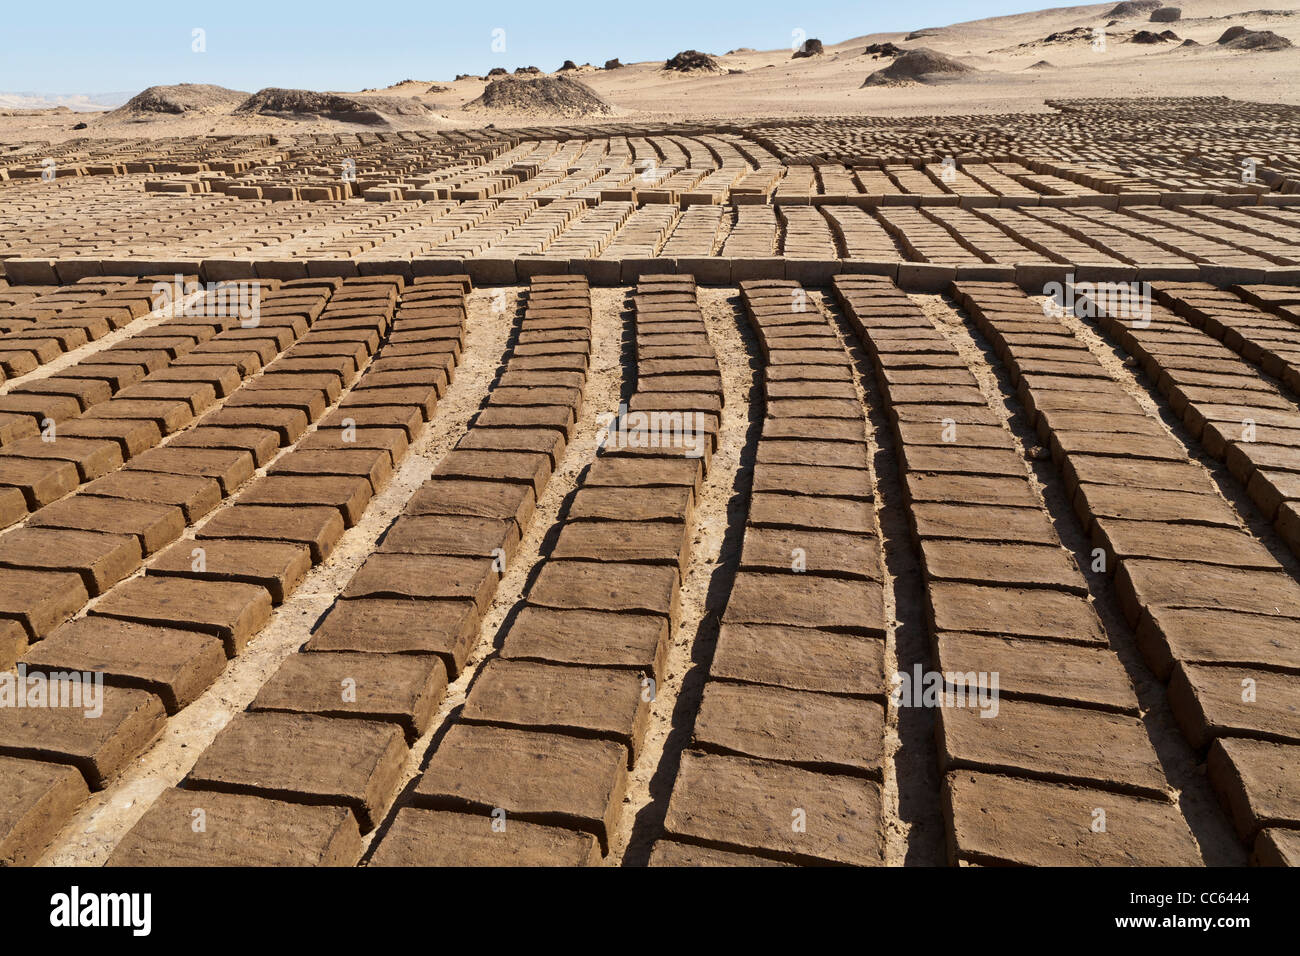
36 799
442 838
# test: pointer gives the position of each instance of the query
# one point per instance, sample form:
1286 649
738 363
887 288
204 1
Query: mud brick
805 600
746 805
959 460
40 482
535 777
311 402
91 458
391 441
617 504
1207 703
1255 780
261 443
387 626
99 747
522 467
230 468
1038 612
101 559
970 489
424 399
607 587
1046 671
997 820
415 576
987 523
814 513
1276 847
169 416
153 525
1067 744
672 853
623 541
375 467
800 659
542 440
40 600
815 429
584 702
774 723
197 396
117 376
808 480
14 427
13 506
469 536
36 800
57 408
439 838
823 454
393 688
926 414
614 472
328 385
277 567
485 499
558 417
305 758
1194 635
319 528
240 830
175 665
821 552
1141 584
1151 539
987 562
195 496
87 391
595 638
348 494
1099 501
289 423
232 611
222 379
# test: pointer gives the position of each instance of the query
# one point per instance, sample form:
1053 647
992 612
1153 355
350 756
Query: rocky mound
1134 8
613 64
181 98
918 66
1242 38
877 50
527 70
370 110
566 66
808 48
1166 14
1146 36
551 95
1041 65
693 61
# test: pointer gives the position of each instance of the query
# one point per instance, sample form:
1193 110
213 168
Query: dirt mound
877 50
918 66
438 88
527 70
498 71
613 64
181 98
566 66
1242 38
1041 65
693 61
551 95
369 110
808 48
1166 14
1146 36
1134 8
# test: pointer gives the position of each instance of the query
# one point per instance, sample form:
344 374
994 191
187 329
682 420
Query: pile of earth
693 61
809 48
181 98
877 50
1135 8
551 95
1241 38
922 65
369 110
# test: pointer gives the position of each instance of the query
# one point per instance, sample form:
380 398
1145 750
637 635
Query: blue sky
84 47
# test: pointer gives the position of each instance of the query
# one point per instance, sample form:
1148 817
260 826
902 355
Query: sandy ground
773 85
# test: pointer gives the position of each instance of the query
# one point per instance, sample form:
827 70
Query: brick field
835 491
